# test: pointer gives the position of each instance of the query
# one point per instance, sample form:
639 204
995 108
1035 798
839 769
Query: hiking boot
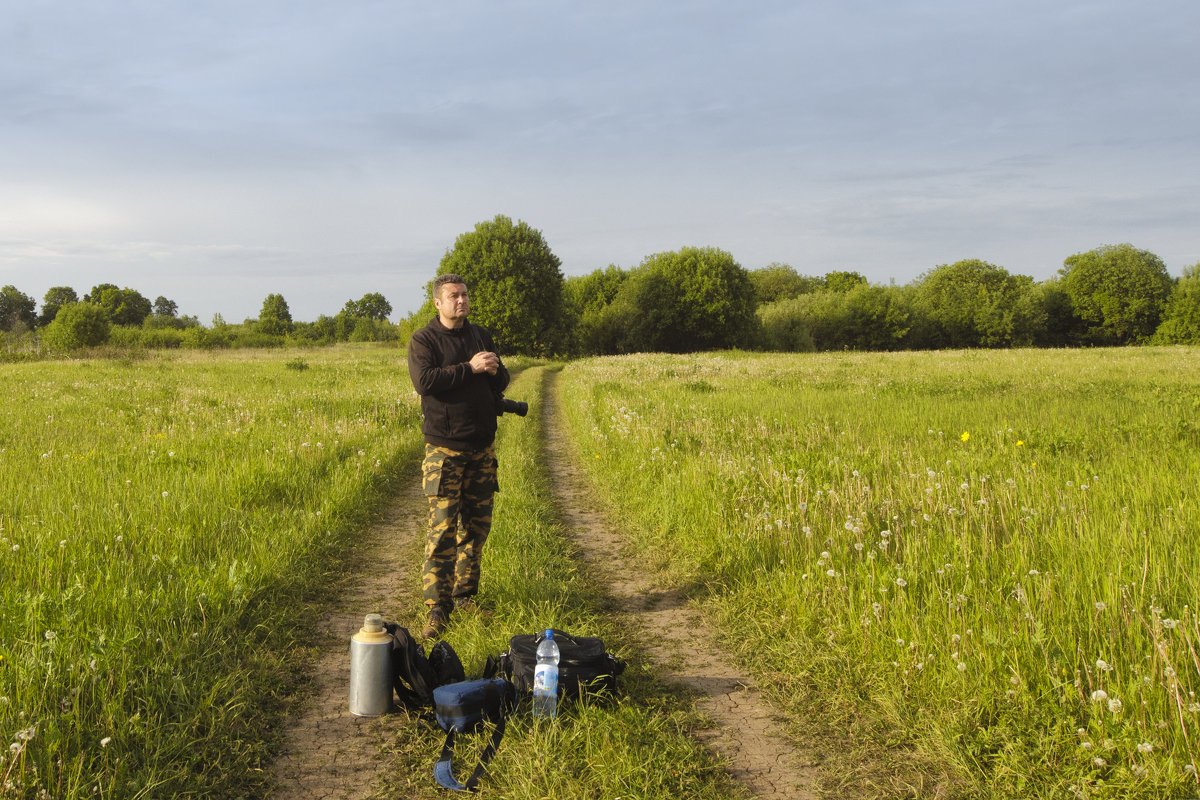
468 605
437 622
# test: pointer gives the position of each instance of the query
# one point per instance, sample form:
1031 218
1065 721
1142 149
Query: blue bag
463 707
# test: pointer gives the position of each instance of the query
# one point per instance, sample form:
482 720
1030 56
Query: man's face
452 303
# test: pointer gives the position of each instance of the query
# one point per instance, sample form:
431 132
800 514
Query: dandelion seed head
1145 747
1099 696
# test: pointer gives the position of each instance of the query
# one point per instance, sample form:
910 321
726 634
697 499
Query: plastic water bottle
545 678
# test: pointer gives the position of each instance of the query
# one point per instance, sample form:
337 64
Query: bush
1181 319
77 325
681 302
205 338
783 327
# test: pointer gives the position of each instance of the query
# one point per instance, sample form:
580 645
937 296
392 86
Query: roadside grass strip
167 528
635 744
976 567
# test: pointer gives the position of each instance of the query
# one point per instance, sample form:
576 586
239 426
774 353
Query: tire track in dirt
680 644
328 753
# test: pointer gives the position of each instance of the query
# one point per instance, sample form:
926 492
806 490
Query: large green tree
1118 291
16 310
275 318
56 297
516 285
372 306
165 307
124 306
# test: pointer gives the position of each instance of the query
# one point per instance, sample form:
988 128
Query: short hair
442 280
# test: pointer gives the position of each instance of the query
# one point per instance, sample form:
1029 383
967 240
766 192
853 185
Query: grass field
985 560
974 570
162 522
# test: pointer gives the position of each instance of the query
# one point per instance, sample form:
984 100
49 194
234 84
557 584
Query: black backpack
415 675
584 664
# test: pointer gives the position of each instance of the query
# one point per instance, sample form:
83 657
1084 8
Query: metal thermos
370 669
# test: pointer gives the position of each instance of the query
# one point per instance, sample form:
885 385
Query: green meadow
162 523
972 570
985 561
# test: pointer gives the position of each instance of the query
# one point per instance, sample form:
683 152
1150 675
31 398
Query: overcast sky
214 152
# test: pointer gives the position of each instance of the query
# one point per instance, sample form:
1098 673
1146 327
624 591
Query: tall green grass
163 523
983 559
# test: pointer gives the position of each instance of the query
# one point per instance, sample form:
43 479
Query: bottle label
545 679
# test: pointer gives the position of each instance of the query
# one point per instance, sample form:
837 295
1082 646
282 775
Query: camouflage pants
459 485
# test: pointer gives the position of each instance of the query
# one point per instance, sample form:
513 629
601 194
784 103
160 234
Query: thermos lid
372 631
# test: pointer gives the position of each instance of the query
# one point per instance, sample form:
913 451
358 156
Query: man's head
451 300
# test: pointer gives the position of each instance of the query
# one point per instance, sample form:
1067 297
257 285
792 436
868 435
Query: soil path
683 648
328 753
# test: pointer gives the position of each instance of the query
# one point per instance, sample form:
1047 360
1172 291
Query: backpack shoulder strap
412 675
443 770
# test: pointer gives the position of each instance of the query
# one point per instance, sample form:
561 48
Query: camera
518 407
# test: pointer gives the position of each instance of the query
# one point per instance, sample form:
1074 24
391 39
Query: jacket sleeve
428 375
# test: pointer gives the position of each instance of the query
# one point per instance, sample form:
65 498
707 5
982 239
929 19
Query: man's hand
484 361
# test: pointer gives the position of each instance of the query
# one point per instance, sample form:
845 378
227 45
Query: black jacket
459 405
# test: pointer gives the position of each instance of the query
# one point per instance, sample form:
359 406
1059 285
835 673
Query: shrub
77 325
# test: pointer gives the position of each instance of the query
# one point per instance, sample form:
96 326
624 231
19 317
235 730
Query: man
454 367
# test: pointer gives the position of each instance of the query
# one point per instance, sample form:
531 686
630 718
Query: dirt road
329 754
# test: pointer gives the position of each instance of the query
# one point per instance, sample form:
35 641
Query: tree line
692 299
700 298
123 317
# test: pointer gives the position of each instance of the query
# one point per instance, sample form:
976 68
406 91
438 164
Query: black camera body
504 405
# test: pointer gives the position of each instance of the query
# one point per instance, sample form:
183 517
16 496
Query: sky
217 151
